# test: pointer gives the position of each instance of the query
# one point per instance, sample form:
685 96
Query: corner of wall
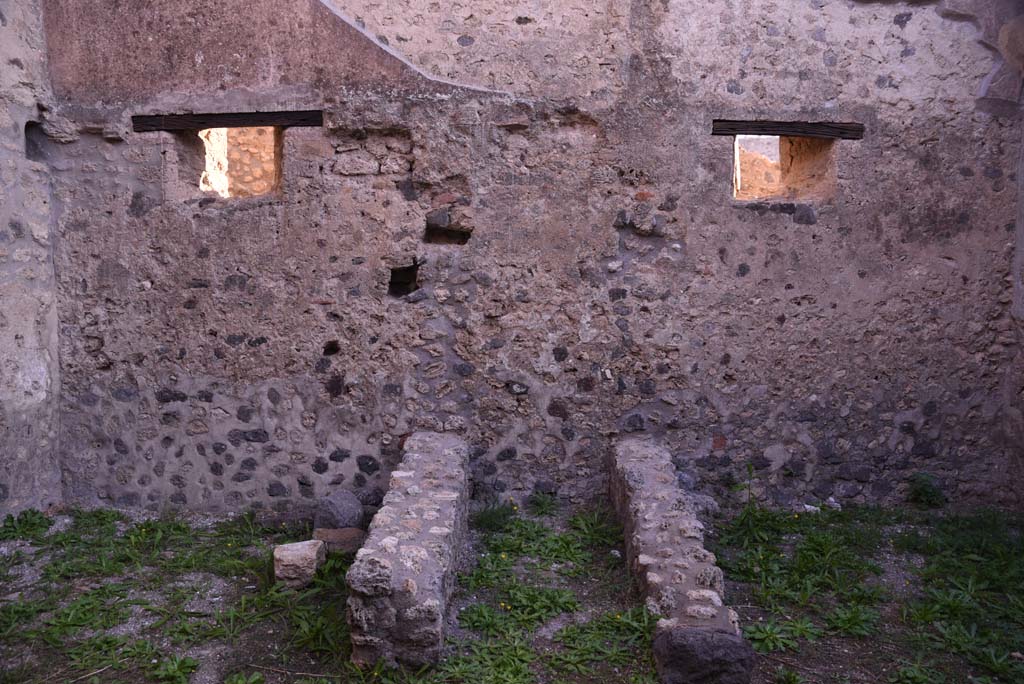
29 471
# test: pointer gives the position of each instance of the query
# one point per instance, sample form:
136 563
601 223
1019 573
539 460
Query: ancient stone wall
29 475
230 353
253 160
1012 33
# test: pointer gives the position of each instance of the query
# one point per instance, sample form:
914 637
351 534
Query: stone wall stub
698 635
404 575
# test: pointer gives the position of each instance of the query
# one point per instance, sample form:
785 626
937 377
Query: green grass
612 639
784 675
916 673
242 678
829 557
543 505
509 660
596 529
924 491
99 566
972 602
770 636
145 557
100 608
29 525
821 568
520 606
494 518
521 555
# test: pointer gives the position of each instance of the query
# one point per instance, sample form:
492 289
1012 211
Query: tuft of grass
494 518
770 636
803 628
924 491
542 504
795 560
784 675
16 616
492 661
492 570
853 620
520 606
242 678
482 618
612 638
100 608
529 606
29 525
596 529
114 652
317 615
972 603
528 538
916 673
175 670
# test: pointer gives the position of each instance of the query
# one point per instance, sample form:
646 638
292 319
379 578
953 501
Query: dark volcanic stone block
688 655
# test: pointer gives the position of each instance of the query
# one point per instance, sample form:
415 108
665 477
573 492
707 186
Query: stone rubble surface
404 575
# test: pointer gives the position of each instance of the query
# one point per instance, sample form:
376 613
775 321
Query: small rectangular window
784 160
404 280
228 154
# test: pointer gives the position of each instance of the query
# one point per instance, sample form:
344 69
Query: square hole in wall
404 280
242 161
783 167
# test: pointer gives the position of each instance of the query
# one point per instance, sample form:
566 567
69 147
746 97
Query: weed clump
924 491
494 518
29 525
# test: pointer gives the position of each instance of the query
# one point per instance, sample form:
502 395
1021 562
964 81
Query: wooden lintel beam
193 122
804 129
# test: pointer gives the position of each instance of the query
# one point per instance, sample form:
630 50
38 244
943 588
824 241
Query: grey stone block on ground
296 564
686 655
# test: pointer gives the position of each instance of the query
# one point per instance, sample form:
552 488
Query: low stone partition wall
403 577
698 638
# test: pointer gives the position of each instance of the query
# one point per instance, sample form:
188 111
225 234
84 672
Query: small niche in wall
785 160
404 280
35 141
443 229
